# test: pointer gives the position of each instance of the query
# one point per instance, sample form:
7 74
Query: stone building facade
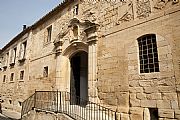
122 54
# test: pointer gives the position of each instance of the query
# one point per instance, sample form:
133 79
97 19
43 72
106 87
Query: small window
75 10
49 32
4 78
12 77
75 31
153 113
21 75
20 103
45 72
10 101
148 54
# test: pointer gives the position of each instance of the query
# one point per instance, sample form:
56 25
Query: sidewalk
9 115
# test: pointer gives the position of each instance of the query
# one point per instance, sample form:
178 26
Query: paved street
9 115
2 117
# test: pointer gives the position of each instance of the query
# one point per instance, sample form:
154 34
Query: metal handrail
69 104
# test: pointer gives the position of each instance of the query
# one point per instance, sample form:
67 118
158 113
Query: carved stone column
92 62
58 51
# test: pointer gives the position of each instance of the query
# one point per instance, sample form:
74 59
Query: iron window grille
148 54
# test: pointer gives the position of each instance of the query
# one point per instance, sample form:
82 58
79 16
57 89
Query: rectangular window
49 31
7 59
12 77
4 78
14 51
13 57
22 51
45 72
21 75
148 54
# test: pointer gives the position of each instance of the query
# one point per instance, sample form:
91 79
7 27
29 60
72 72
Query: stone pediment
75 31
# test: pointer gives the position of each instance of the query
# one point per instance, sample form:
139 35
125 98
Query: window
22 51
4 78
7 59
49 31
153 113
13 57
14 52
20 103
21 75
75 10
45 72
75 31
10 101
148 54
12 77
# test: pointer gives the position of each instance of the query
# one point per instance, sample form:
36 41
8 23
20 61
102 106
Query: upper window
7 59
49 32
148 54
13 56
22 51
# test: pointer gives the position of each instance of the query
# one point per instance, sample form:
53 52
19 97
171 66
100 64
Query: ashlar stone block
166 113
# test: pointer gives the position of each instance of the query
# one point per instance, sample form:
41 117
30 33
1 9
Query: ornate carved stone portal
79 36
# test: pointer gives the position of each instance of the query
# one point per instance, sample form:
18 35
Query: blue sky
15 13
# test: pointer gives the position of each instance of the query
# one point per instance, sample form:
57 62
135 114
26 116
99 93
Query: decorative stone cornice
91 33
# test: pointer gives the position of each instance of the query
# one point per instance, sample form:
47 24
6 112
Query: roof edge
39 22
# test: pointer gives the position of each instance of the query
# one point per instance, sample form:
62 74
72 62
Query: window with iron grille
148 54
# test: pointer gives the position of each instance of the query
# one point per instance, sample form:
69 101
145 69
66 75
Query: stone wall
120 82
114 77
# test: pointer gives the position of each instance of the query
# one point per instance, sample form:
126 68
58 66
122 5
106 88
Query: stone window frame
148 53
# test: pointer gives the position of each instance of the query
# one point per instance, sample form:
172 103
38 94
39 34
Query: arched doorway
79 78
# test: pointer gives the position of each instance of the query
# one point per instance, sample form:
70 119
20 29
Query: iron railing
69 104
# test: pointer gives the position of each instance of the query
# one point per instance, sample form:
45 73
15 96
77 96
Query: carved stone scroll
128 14
143 8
